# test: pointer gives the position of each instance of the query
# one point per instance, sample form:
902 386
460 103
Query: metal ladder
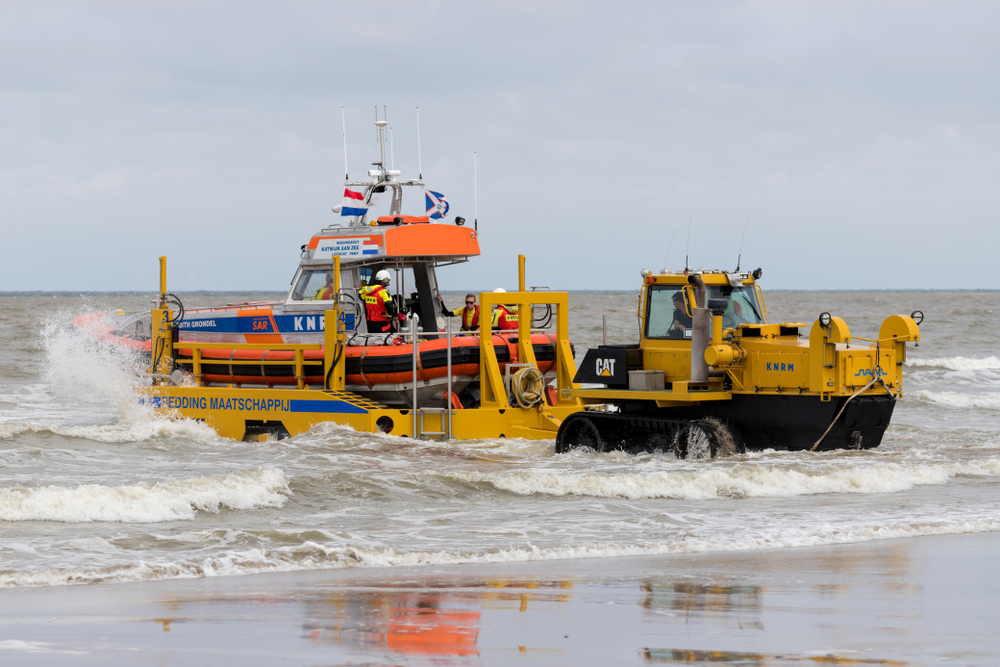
418 412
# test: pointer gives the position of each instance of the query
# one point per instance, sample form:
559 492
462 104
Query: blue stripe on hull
337 407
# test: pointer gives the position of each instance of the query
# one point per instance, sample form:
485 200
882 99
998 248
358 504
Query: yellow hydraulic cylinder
333 340
162 331
724 355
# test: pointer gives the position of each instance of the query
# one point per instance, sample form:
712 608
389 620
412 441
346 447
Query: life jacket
375 298
325 293
505 317
470 322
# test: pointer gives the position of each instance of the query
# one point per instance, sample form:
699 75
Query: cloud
861 138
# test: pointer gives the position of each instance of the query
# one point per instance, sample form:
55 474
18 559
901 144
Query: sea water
94 488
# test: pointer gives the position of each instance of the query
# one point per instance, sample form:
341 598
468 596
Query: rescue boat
379 365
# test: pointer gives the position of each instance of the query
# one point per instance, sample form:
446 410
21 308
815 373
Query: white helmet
383 277
499 289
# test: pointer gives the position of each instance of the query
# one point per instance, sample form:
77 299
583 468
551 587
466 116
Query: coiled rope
527 386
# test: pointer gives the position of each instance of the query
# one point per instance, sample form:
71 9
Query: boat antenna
475 193
420 164
740 256
667 254
687 248
343 119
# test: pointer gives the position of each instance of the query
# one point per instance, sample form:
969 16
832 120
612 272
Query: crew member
325 293
380 307
681 319
504 316
469 314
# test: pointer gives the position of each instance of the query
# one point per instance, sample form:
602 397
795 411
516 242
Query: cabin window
661 319
664 320
314 286
741 305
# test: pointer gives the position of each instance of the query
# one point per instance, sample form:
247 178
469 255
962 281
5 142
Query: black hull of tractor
753 422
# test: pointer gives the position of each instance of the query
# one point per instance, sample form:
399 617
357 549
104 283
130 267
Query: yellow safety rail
334 343
491 384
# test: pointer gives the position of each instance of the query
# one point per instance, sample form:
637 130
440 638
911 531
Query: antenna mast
687 248
475 193
740 255
343 118
667 254
420 164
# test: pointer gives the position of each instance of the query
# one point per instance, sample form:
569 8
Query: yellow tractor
710 376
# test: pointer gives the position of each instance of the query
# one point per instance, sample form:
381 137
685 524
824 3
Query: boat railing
298 348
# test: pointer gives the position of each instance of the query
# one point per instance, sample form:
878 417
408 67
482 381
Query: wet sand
908 601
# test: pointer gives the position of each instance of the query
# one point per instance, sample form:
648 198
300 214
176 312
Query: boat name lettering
310 323
349 247
265 404
203 403
198 324
176 402
775 366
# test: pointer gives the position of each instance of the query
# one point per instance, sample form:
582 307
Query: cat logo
605 367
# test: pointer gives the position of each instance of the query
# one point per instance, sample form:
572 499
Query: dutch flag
437 205
354 204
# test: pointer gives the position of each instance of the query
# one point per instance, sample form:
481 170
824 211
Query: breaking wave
957 363
130 429
172 500
957 400
314 556
741 481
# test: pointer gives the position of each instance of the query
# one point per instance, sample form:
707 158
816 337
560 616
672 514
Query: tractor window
664 318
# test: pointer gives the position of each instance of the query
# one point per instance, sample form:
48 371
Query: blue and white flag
354 204
437 205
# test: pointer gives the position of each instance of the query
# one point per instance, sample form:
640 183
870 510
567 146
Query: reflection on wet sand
412 623
668 655
862 605
432 621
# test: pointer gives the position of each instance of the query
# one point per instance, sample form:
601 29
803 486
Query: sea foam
957 400
314 556
171 500
741 481
957 363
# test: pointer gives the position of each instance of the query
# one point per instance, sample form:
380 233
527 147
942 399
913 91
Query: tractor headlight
825 319
917 316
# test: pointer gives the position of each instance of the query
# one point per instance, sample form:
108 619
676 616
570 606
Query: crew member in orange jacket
325 293
380 307
504 316
469 314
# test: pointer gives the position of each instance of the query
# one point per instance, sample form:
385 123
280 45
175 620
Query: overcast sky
861 138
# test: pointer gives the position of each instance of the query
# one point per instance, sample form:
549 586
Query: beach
907 601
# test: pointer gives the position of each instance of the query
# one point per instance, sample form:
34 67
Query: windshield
667 309
741 305
314 286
